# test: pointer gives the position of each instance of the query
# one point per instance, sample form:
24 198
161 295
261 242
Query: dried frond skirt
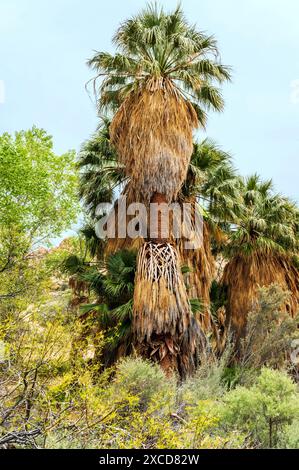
163 323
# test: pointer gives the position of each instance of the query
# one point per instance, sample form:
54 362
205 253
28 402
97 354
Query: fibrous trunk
244 275
152 132
163 324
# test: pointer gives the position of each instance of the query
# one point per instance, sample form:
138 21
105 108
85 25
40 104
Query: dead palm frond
163 322
152 132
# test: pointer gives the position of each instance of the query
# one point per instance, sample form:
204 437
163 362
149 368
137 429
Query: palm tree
260 250
161 82
168 68
211 182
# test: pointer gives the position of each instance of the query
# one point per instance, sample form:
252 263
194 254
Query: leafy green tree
38 201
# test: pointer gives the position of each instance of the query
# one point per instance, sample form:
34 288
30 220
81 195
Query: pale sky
44 45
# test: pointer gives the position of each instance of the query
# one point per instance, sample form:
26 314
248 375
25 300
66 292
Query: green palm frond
159 44
123 312
102 312
72 265
213 180
119 281
101 175
94 245
266 222
197 306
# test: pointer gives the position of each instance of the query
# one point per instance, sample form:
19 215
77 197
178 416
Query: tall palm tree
161 82
211 181
260 250
168 69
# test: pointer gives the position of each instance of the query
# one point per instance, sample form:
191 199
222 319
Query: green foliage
111 285
290 437
38 201
157 44
64 397
212 178
207 383
267 222
37 187
263 410
100 174
143 379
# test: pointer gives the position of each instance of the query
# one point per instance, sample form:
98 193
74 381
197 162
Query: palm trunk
163 326
152 133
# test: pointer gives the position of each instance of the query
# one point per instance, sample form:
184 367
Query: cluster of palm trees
156 297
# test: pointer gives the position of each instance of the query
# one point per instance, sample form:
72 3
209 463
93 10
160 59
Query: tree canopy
38 201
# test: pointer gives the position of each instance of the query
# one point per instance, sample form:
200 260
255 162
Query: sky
44 46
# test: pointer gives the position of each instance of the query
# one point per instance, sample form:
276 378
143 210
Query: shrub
290 437
207 383
143 379
263 410
269 331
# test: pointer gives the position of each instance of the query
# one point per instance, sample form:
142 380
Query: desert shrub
269 331
143 399
264 410
143 379
207 383
67 401
289 439
154 411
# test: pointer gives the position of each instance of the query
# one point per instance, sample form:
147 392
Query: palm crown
212 178
267 223
159 49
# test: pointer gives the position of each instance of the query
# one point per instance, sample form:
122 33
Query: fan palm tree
168 69
110 283
161 82
260 249
211 182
